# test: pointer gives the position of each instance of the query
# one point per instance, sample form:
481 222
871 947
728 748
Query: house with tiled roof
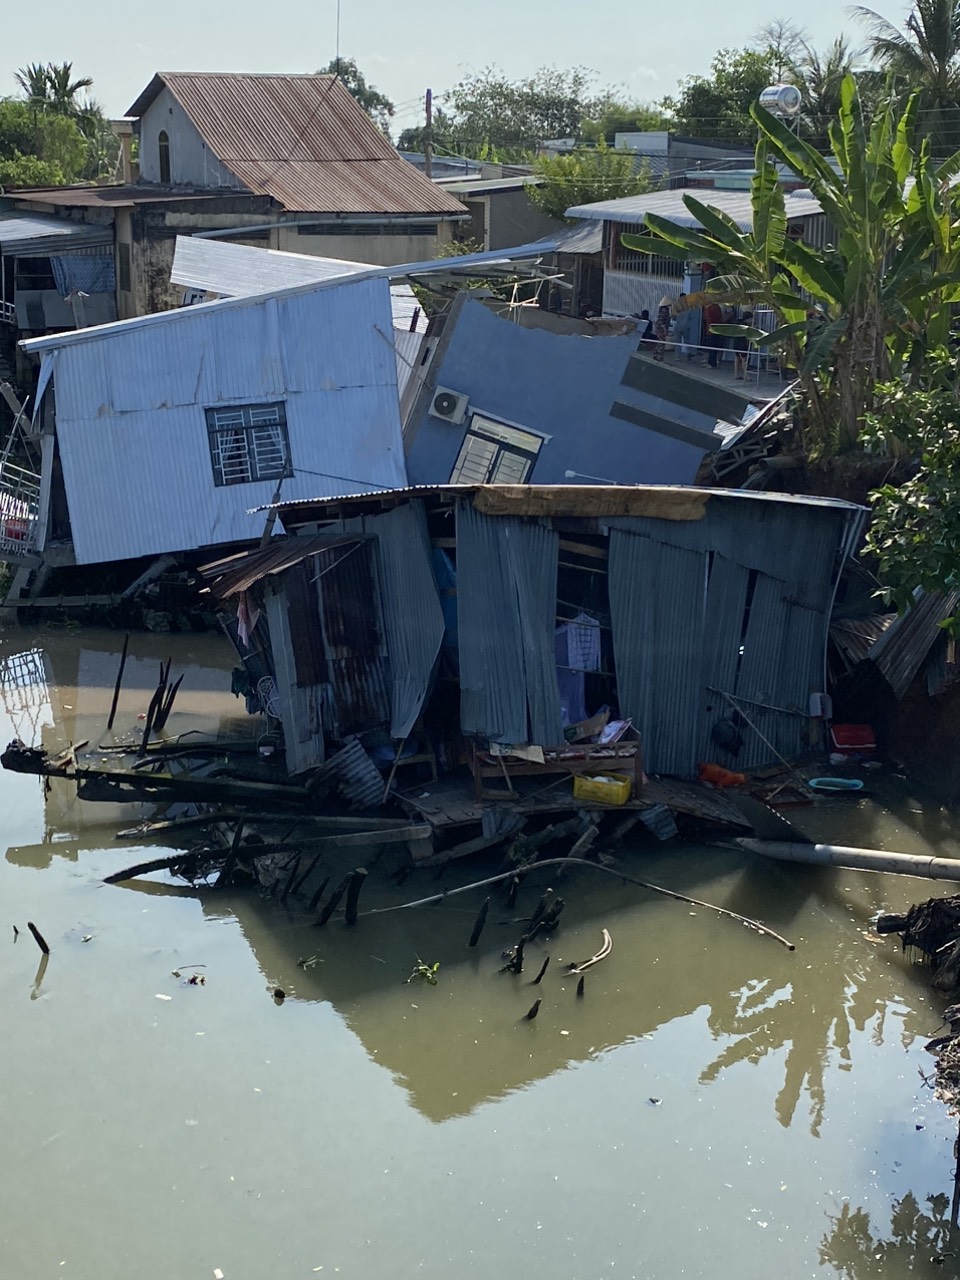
288 162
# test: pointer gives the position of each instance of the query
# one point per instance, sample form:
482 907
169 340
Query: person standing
712 315
662 328
683 329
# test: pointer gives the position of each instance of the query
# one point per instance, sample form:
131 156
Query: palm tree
33 79
924 57
52 87
64 90
820 76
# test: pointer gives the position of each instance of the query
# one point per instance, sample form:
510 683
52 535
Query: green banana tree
876 299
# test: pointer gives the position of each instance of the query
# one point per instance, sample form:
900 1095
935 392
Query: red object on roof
302 139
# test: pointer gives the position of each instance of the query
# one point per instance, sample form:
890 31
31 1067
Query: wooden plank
583 549
65 602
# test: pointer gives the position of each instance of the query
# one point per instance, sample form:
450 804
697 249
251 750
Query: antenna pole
428 137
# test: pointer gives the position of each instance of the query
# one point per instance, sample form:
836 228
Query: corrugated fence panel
413 618
299 707
532 551
657 607
763 677
726 599
493 702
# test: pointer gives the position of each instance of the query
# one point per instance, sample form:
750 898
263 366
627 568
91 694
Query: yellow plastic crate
611 788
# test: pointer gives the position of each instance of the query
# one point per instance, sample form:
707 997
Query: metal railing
8 312
19 510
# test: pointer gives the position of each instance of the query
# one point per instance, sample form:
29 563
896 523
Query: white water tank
782 99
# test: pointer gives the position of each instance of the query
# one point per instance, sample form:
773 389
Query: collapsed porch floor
450 803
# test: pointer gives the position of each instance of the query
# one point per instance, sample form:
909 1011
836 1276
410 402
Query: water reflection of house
430 617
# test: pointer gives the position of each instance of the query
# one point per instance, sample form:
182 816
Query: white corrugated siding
133 434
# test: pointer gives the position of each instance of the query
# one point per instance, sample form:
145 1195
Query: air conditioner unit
449 405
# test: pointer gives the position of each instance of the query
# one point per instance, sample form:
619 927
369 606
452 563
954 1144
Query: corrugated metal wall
657 609
300 708
751 585
411 607
353 638
133 434
508 674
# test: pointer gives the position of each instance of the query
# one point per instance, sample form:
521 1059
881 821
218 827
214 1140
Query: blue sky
402 48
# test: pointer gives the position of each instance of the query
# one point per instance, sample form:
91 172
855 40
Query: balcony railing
8 313
19 511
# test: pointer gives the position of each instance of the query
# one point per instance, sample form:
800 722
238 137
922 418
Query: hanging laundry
247 616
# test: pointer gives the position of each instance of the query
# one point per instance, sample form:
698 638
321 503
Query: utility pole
428 137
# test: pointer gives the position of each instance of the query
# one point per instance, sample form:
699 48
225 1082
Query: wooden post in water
479 923
116 687
357 877
312 904
38 938
543 970
334 901
955 1207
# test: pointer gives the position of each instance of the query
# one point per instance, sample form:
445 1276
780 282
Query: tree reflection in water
813 1020
918 1243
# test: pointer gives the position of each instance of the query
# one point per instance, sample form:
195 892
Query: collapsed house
158 435
504 630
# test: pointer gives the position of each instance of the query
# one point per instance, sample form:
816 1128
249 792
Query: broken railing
19 510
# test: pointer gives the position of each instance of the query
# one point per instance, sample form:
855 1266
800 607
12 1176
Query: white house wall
192 163
133 435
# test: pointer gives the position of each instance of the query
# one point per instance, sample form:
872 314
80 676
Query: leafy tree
445 137
586 176
882 293
915 526
27 132
924 57
17 170
512 117
611 115
718 105
376 104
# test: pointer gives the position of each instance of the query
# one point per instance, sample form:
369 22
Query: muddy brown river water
715 1106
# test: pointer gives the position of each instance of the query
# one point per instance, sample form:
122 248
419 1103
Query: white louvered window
249 442
493 453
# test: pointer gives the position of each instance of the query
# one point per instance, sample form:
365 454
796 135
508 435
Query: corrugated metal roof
453 267
241 270
488 186
36 233
238 573
302 139
900 652
110 197
670 205
854 637
679 503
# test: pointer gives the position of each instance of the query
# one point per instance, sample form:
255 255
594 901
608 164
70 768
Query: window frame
247 450
506 442
163 157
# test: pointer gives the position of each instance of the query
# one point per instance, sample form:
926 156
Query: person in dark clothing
712 315
644 325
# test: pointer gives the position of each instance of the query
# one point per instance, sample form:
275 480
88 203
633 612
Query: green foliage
376 104
718 105
515 116
52 86
882 292
924 58
586 176
425 972
613 115
18 170
915 525
29 132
